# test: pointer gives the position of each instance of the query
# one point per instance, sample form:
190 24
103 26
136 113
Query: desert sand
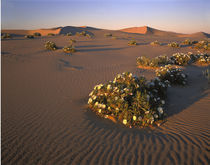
44 95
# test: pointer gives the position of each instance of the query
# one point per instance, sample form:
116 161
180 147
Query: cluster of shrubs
108 35
83 33
176 59
51 34
5 36
173 75
154 62
132 42
155 43
173 45
187 42
202 45
37 34
130 100
69 49
69 34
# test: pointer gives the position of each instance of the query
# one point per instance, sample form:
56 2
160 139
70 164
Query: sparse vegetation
51 34
69 34
50 45
37 34
187 42
202 45
155 43
5 36
72 41
173 45
132 43
69 49
29 36
180 59
129 100
108 35
88 36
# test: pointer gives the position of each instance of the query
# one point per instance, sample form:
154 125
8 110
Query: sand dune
44 94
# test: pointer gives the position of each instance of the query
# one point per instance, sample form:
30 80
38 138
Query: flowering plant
107 35
37 34
6 35
69 34
29 36
172 75
69 49
180 59
132 101
51 34
173 45
155 43
132 42
50 45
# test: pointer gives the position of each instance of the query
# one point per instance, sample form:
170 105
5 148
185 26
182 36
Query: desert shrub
50 45
72 41
37 34
5 36
132 42
203 59
187 42
173 45
202 45
130 100
51 34
69 34
173 75
194 42
69 49
114 37
180 59
29 36
155 43
88 36
154 62
107 35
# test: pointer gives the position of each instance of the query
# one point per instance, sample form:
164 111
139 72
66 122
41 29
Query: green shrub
50 45
29 36
174 76
69 34
173 45
5 36
69 49
132 42
154 62
155 43
180 59
107 35
51 34
37 34
187 42
130 100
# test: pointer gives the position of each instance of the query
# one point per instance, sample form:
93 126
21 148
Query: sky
184 16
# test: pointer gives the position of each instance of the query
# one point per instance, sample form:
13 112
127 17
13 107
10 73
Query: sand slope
44 93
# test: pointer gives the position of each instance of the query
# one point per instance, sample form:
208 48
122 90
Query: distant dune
136 30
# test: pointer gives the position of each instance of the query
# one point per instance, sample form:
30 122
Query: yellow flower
134 118
124 121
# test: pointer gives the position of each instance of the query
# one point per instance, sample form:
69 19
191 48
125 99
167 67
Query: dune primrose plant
107 35
155 43
69 34
29 36
72 41
180 59
129 100
51 34
173 75
132 42
37 34
173 45
50 45
69 49
202 45
5 36
187 42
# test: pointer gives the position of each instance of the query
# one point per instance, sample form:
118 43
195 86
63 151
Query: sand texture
44 96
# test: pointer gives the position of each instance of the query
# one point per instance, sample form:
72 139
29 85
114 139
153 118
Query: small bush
202 45
180 59
37 34
173 45
88 36
130 100
132 42
174 76
107 35
154 62
187 42
29 36
155 43
114 37
51 34
69 49
5 36
203 59
69 34
50 45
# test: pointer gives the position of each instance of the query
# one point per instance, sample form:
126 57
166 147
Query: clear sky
186 16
